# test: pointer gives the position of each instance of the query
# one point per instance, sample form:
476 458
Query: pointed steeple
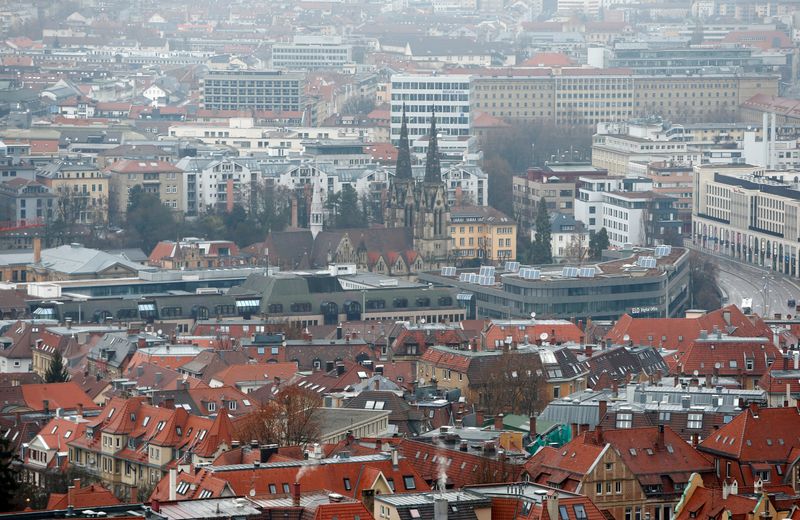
403 168
433 169
317 209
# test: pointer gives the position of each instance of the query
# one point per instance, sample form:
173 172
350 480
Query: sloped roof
93 495
75 259
59 395
757 434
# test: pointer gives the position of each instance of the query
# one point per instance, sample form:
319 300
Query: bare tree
289 419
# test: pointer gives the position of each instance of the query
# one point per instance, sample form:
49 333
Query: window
599 488
695 421
663 416
212 406
562 513
749 363
347 485
580 512
273 489
618 487
285 487
624 420
627 513
763 475
728 469
205 493
408 482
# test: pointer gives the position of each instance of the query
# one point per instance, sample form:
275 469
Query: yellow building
484 233
82 190
156 177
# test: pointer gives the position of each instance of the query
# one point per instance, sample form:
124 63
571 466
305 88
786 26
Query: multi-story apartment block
559 195
638 218
311 52
133 444
24 202
447 95
272 91
675 180
616 152
82 184
156 177
747 213
484 233
589 197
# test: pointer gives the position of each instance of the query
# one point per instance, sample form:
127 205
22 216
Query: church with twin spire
420 206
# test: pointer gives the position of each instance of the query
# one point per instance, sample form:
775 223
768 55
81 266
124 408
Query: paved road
739 280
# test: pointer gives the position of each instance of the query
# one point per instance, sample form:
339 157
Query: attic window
68 434
624 420
633 451
160 426
347 485
580 512
414 513
733 364
273 488
182 488
409 482
562 513
54 429
205 494
285 487
145 421
202 434
111 412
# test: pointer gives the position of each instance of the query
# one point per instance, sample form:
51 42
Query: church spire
403 168
433 169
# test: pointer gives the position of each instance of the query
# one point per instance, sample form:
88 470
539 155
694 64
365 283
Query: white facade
624 224
14 365
311 52
589 200
448 95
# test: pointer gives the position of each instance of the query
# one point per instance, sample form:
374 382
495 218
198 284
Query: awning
464 296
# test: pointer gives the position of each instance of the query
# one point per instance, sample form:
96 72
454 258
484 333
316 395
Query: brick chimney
479 418
602 409
37 250
532 425
296 494
498 422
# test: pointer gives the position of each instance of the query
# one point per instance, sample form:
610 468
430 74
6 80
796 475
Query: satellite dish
543 336
717 365
253 492
422 321
533 315
696 373
626 338
160 332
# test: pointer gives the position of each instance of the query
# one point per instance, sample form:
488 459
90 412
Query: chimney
551 502
695 440
532 426
339 331
70 501
329 365
479 419
440 508
573 428
68 322
395 457
368 498
602 410
376 384
588 350
296 494
660 441
339 369
142 342
159 377
80 409
169 403
498 422
173 483
463 445
598 435
155 505
139 370
295 223
134 498
754 410
46 406
378 445
37 250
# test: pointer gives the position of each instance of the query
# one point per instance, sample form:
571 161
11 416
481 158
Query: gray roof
76 259
335 420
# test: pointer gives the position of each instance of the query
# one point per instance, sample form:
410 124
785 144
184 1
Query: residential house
206 402
44 459
630 473
756 447
158 178
483 233
132 444
253 376
406 420
500 334
713 503
193 253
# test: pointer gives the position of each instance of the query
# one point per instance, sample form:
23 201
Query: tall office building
447 95
265 90
311 52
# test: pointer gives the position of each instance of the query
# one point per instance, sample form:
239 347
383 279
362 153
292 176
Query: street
738 281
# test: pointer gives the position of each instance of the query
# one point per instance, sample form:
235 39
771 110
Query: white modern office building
447 95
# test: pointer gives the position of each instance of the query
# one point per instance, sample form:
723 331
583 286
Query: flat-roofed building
273 91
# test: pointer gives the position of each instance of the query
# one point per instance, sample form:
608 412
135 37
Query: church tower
431 228
317 210
420 206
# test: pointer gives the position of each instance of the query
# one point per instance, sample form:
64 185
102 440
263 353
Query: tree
512 383
597 243
345 209
541 250
8 478
57 371
289 419
148 221
358 105
703 281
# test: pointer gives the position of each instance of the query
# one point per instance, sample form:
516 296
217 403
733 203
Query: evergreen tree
56 372
8 478
148 220
541 251
346 209
597 243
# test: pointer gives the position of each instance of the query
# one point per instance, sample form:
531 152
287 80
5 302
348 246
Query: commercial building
675 180
447 95
311 52
591 194
483 233
749 214
272 91
25 202
639 218
585 97
640 284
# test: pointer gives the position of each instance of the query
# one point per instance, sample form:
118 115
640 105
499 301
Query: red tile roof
66 396
93 495
150 166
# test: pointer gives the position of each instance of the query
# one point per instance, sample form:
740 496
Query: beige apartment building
585 97
157 177
749 214
83 184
